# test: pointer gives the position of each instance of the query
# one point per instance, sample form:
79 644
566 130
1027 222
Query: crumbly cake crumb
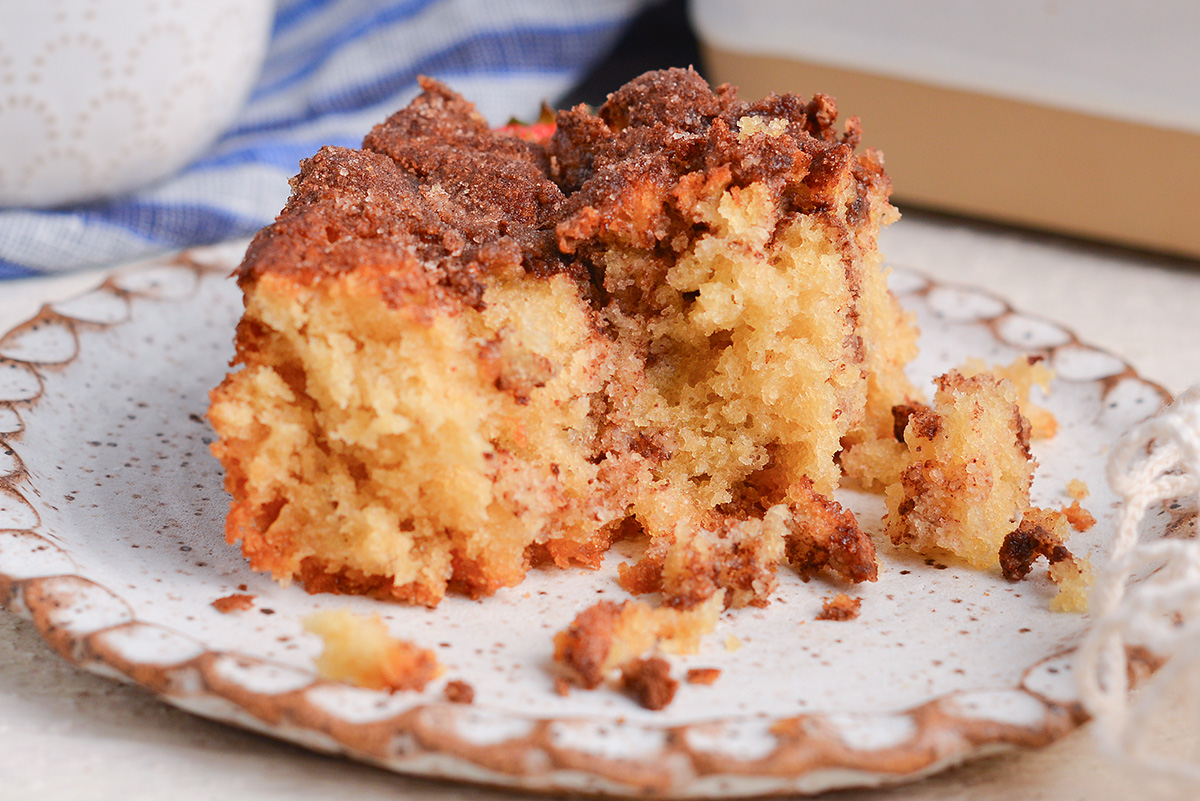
822 535
458 691
812 532
607 635
359 649
1079 518
1077 489
1074 578
1040 534
840 607
703 675
649 681
238 602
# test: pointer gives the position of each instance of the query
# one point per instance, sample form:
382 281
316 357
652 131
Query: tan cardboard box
1012 112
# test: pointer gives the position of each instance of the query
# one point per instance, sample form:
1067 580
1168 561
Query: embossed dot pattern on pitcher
99 97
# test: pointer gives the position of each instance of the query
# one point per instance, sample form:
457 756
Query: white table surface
65 734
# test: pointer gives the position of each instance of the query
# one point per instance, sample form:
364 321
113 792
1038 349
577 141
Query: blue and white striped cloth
334 68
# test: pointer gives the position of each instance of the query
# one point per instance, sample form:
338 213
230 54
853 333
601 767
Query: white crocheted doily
1148 594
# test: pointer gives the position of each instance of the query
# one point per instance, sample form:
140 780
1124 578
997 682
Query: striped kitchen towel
334 68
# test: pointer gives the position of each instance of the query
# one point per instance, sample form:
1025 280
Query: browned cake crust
703 675
435 198
465 353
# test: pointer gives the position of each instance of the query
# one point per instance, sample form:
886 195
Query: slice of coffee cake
464 353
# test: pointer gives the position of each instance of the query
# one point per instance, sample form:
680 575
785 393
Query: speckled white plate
111 514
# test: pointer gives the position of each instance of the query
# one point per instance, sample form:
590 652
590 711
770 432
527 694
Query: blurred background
138 126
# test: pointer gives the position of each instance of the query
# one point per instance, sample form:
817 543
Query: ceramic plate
111 513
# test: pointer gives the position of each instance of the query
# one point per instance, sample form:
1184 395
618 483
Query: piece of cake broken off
359 650
1043 532
622 644
464 353
968 471
607 636
965 470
